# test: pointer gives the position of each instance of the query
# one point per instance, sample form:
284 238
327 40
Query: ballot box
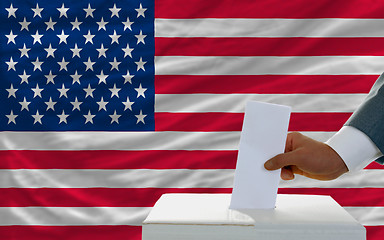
208 217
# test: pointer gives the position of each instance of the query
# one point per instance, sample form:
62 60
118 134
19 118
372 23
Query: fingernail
286 176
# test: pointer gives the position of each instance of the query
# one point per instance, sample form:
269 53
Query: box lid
213 209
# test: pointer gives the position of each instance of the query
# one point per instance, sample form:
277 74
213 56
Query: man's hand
307 157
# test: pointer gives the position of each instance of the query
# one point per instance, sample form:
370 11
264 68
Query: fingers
296 170
281 160
287 173
292 137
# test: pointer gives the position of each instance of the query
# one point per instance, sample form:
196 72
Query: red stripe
317 121
375 232
70 232
268 9
264 84
91 197
374 165
296 46
103 232
233 121
106 159
146 197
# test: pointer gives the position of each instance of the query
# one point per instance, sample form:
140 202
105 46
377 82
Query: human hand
307 157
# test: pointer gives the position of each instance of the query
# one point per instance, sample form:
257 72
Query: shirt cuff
355 148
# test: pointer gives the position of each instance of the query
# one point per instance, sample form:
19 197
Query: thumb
281 160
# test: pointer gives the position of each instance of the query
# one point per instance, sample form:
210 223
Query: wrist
338 165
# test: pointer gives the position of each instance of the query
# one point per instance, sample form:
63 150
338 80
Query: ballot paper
263 136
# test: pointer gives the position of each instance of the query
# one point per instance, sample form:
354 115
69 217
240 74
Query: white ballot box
208 217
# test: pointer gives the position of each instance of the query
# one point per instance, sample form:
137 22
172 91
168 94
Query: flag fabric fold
107 105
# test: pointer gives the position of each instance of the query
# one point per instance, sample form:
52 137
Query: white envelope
263 136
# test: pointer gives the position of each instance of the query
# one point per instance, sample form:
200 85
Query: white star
140 11
140 37
37 91
63 65
50 24
11 37
63 91
37 10
11 117
115 11
12 91
102 51
63 11
63 117
89 64
114 37
89 91
115 64
128 104
11 64
76 104
127 51
140 64
128 78
24 77
102 77
63 37
11 11
114 91
76 51
76 78
76 24
102 104
50 77
24 105
37 64
140 91
50 104
102 24
24 24
89 37
140 117
24 51
37 117
89 11
115 117
89 117
127 24
50 51
37 37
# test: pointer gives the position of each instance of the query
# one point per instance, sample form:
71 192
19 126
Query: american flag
106 105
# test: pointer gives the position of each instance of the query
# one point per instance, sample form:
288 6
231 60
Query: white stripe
174 178
360 179
119 140
335 27
229 65
235 103
136 178
134 216
319 136
368 216
73 216
127 140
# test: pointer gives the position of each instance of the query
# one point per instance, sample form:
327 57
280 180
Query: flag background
210 58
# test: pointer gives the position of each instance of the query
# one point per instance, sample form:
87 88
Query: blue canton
77 65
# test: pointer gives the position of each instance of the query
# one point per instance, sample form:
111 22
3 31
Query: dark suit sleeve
369 117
